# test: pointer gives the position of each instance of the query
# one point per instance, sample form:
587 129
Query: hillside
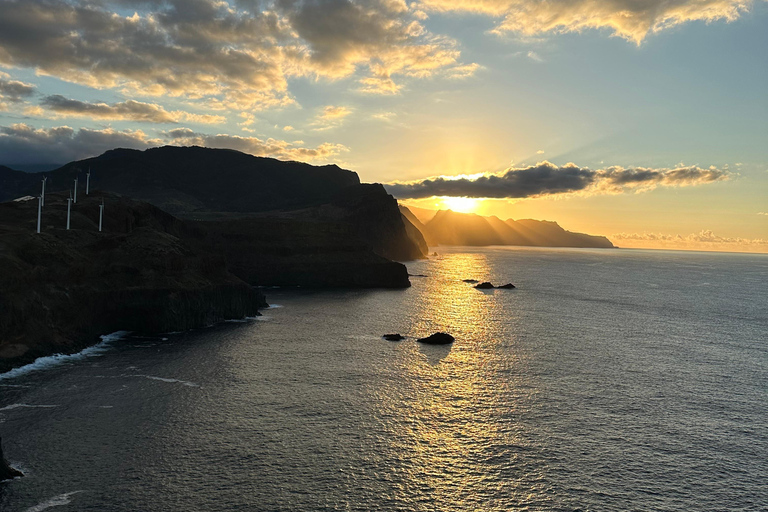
203 183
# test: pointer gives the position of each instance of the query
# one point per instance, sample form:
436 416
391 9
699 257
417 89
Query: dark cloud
128 110
124 111
548 179
23 144
20 143
215 48
14 90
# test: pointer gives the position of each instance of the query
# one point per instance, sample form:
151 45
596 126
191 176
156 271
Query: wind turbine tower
69 205
101 213
88 182
42 194
39 210
75 190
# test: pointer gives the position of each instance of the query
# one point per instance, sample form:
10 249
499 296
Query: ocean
608 380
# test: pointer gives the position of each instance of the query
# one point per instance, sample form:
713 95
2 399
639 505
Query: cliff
61 289
452 228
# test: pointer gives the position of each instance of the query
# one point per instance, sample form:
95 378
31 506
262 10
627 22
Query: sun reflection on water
452 428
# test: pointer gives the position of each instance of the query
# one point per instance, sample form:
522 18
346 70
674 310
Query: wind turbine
101 213
75 190
88 182
39 209
42 194
69 205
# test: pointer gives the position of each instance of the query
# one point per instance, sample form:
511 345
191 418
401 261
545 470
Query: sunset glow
465 92
460 204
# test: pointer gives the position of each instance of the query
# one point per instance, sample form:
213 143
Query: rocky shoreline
62 289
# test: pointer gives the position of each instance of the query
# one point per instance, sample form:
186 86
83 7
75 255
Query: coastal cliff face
307 252
61 289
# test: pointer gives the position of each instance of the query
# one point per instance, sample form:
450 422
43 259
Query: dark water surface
608 381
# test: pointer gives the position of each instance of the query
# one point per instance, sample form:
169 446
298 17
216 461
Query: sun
460 204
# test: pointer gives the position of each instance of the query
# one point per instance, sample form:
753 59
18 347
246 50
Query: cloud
129 110
21 143
330 117
271 147
762 213
704 240
240 53
546 178
14 90
630 19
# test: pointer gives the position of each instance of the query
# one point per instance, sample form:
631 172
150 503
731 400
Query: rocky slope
61 289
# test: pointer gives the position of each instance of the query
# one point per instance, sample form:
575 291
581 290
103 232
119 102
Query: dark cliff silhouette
452 228
204 184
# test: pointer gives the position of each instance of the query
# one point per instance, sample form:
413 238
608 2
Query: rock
484 286
6 471
393 337
507 286
439 338
470 281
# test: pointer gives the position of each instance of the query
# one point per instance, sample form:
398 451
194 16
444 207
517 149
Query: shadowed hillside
204 184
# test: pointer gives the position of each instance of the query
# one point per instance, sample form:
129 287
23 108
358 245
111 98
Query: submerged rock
439 338
6 471
393 337
507 286
484 286
470 281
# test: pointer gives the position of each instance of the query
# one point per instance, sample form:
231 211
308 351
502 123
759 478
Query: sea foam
44 363
56 501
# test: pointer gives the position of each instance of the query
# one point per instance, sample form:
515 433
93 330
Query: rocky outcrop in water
6 471
484 286
438 338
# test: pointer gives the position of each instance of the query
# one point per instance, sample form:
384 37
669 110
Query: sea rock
439 338
507 286
6 471
470 281
484 286
393 337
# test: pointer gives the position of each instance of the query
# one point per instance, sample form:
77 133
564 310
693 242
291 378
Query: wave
165 379
28 406
44 363
56 501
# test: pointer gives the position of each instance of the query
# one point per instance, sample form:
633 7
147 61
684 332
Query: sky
642 120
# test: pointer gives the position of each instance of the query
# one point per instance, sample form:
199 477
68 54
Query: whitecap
44 363
28 406
166 379
56 501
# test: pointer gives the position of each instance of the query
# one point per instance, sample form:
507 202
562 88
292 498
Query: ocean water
609 380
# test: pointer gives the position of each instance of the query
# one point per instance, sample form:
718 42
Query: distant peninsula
446 227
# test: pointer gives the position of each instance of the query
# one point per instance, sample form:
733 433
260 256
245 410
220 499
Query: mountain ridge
470 229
